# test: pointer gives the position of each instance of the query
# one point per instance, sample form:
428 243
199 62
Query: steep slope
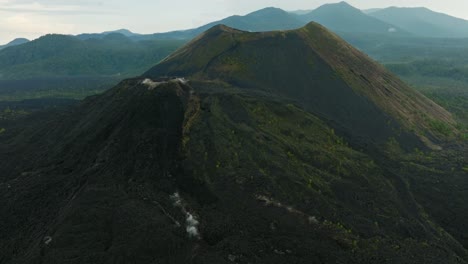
318 70
342 17
424 22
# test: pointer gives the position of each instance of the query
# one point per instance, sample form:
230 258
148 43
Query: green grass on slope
276 150
449 93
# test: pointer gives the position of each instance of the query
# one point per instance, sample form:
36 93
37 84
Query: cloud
31 19
50 7
191 223
51 2
192 226
28 24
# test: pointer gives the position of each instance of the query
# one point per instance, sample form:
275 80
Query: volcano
274 147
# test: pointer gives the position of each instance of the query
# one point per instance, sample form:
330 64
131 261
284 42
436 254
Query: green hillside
59 56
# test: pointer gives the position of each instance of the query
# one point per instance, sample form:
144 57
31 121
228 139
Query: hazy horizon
33 18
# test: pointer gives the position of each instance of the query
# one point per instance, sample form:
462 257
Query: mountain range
112 52
338 17
279 147
266 19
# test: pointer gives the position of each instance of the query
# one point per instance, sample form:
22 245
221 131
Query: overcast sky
33 18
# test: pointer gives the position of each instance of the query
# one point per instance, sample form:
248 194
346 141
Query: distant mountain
124 32
256 157
342 17
424 22
266 19
60 55
15 42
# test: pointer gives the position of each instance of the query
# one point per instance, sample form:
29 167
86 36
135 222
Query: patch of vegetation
10 114
68 88
441 127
